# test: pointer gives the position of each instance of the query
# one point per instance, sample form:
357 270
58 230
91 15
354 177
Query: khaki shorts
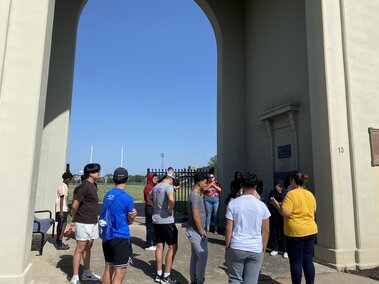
86 232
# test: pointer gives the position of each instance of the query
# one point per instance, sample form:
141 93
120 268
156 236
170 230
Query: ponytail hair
299 178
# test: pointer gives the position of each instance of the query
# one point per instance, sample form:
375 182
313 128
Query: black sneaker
169 279
63 246
157 278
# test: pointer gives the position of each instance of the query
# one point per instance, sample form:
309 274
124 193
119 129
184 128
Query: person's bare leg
62 232
80 248
107 275
170 256
87 256
159 256
119 275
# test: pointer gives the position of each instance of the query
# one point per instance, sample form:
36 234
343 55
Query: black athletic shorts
166 233
60 220
118 252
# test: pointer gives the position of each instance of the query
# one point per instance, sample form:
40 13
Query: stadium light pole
162 156
91 155
122 156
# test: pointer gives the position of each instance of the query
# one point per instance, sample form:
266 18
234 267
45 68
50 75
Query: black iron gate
185 178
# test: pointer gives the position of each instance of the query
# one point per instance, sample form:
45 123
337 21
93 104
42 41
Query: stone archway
37 48
58 101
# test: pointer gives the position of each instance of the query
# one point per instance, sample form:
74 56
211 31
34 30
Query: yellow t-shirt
302 205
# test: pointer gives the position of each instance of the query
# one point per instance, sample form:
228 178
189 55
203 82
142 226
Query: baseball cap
120 173
171 175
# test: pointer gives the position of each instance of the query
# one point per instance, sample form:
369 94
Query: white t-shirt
247 213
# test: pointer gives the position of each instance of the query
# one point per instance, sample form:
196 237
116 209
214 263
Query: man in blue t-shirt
118 251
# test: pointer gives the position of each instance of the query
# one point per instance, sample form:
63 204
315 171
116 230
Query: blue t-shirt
120 204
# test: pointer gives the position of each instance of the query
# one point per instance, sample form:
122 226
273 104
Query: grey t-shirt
195 201
160 203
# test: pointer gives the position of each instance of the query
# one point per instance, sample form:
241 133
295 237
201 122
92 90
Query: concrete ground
55 266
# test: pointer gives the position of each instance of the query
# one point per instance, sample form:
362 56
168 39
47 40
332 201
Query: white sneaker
92 277
151 248
285 255
74 281
274 253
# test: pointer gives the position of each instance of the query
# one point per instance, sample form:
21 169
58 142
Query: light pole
162 156
122 156
91 155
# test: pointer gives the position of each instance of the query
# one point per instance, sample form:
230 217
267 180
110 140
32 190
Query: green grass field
134 190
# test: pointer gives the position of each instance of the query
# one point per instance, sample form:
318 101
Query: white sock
159 272
166 274
75 277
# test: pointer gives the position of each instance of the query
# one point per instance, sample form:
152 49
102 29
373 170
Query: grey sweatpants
243 266
199 256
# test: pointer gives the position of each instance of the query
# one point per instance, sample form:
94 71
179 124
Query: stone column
336 239
25 40
227 19
58 101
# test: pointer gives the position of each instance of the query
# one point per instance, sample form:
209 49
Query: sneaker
92 277
157 278
74 281
285 255
63 246
151 248
274 253
169 279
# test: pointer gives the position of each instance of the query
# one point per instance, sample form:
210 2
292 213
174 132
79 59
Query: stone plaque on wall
374 143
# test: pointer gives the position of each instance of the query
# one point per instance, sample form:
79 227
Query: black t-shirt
279 197
88 203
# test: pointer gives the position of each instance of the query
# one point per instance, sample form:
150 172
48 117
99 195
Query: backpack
105 222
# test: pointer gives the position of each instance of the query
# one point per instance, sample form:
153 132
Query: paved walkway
55 266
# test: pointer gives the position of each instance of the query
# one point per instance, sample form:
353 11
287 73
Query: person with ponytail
300 229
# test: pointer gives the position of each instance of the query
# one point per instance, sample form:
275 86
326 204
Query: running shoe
151 248
63 246
274 253
91 277
157 278
169 279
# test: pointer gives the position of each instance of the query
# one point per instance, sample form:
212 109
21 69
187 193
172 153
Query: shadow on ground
263 278
36 242
149 268
65 265
138 242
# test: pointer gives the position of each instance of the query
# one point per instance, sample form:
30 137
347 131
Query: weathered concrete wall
276 74
25 40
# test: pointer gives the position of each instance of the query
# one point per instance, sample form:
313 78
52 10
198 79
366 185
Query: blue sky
145 79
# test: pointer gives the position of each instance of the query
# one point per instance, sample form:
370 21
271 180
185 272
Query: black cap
120 173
